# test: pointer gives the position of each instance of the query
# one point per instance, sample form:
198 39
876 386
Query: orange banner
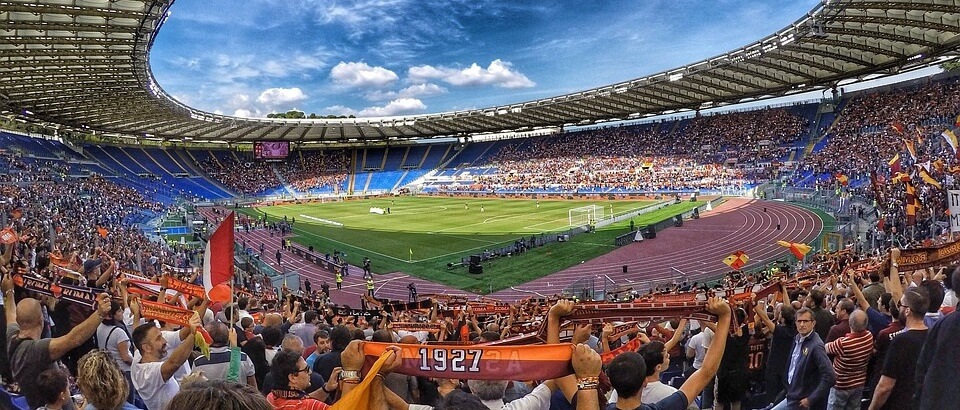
166 313
185 287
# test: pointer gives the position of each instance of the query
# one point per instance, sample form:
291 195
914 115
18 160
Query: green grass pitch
442 230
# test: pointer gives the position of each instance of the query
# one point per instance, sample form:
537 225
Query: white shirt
173 340
149 383
109 339
697 344
538 399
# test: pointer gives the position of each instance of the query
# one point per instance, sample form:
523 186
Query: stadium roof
84 65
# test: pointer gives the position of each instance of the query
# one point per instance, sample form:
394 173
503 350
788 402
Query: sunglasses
804 320
305 369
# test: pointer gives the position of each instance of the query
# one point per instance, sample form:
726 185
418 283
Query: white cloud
499 74
360 74
395 107
416 90
240 112
278 96
338 110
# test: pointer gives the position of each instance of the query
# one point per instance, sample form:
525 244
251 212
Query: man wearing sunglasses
810 374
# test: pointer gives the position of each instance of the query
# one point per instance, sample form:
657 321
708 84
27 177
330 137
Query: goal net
585 215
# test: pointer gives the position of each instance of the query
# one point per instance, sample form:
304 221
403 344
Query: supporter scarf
639 311
185 287
77 294
42 286
415 326
479 362
164 312
521 339
922 258
400 306
173 269
630 346
489 309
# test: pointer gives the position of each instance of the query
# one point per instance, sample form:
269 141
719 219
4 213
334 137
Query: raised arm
9 304
82 332
677 335
761 310
699 379
182 352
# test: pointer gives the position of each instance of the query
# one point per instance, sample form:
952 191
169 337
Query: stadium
740 192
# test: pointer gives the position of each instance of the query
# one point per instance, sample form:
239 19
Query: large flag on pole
911 205
218 257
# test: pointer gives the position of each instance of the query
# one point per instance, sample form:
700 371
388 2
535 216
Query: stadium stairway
283 181
189 162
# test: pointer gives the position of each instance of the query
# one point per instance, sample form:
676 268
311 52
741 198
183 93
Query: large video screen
271 149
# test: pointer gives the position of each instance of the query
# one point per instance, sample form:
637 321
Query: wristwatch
349 374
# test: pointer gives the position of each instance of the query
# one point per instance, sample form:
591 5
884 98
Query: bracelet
324 388
588 383
349 374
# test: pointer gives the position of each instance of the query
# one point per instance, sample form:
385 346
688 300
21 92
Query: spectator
810 374
152 374
897 384
216 395
850 356
103 385
52 386
30 354
217 366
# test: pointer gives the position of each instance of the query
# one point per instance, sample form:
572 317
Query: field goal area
586 215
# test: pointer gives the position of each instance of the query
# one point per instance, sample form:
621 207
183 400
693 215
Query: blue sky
394 57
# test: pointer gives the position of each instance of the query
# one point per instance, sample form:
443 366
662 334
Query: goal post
585 215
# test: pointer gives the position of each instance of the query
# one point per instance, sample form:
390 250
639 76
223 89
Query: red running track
696 249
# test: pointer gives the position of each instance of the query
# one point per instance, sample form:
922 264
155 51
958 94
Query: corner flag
218 257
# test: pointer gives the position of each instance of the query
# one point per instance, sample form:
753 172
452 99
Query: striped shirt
851 354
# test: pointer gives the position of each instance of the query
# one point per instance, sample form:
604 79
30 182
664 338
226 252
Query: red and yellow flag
736 260
912 203
910 149
925 176
8 236
897 126
798 249
894 164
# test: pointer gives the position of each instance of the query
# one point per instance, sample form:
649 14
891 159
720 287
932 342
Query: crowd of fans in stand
316 170
646 158
865 138
303 170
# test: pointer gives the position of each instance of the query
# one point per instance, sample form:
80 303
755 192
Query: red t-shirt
289 400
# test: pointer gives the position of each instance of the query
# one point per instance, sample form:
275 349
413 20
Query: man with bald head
217 366
29 354
850 356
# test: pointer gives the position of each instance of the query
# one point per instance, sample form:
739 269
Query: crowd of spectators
303 170
706 152
306 170
864 136
245 176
